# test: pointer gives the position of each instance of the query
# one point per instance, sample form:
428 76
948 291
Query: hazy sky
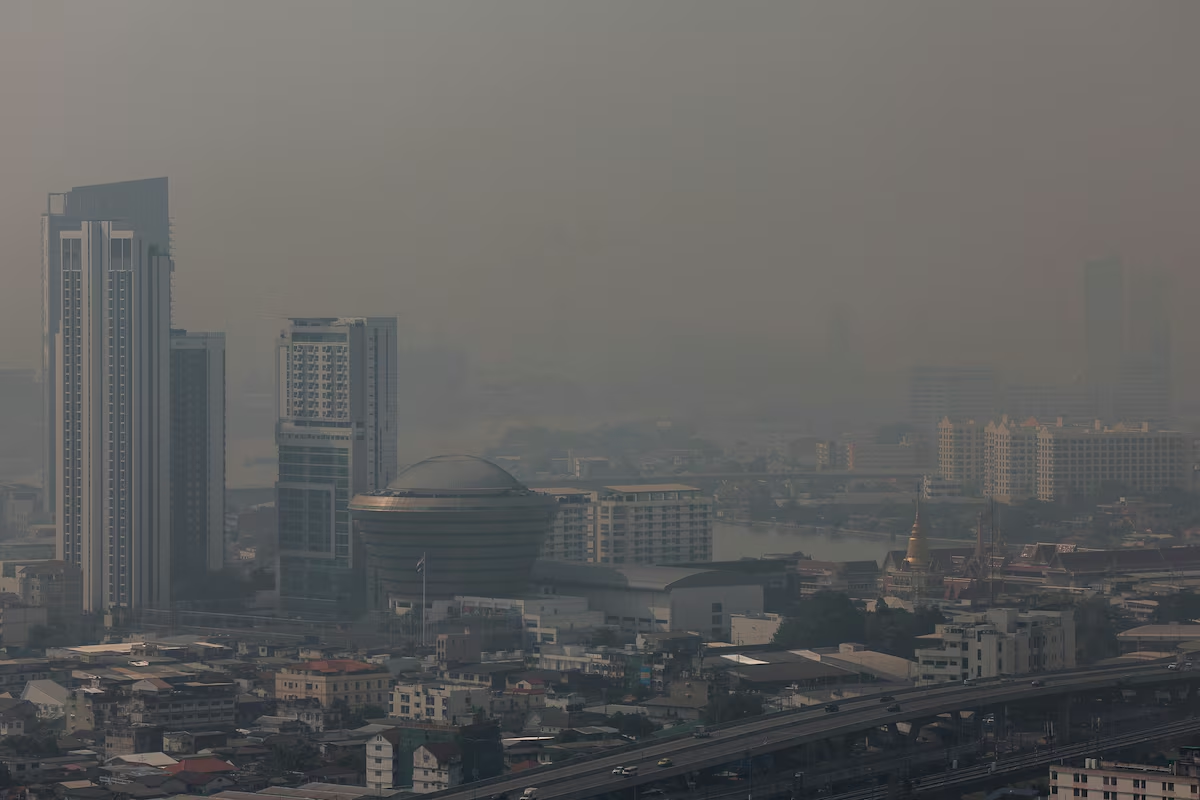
621 184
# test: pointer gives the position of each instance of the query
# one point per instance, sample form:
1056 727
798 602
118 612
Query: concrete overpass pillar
1062 721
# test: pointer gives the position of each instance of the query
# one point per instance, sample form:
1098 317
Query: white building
142 205
656 599
197 456
753 628
112 420
1078 460
383 761
440 703
653 524
572 533
961 452
336 438
1010 460
436 766
1001 641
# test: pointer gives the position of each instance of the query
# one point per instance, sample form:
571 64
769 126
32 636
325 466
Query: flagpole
424 570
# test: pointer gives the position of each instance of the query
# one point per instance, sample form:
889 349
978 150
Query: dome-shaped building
478 528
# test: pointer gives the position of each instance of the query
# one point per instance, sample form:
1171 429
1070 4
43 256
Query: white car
618 771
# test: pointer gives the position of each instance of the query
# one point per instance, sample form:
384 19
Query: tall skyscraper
197 459
336 438
1143 392
110 351
955 392
142 206
1104 330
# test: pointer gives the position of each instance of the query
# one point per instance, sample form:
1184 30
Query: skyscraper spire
918 547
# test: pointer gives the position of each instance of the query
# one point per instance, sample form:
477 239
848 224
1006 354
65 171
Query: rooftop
337 666
652 487
454 472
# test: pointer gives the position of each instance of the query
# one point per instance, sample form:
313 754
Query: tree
1180 607
895 630
824 619
730 707
294 756
635 725
1095 631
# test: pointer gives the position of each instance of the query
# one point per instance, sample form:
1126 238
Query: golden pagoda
918 547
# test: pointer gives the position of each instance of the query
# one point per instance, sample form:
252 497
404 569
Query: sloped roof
443 751
206 764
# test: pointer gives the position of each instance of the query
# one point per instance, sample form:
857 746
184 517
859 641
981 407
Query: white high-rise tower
337 438
111 425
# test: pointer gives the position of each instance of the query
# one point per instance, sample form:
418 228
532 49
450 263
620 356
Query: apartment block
1097 778
1010 460
961 452
353 682
572 533
438 703
667 523
1001 641
111 419
1074 461
436 767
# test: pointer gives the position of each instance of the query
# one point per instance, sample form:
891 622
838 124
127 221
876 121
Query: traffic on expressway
580 778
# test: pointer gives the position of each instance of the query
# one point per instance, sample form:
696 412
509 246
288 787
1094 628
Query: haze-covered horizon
660 204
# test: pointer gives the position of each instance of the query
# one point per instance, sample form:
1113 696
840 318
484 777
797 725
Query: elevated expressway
586 777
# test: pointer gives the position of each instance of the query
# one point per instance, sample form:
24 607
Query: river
732 541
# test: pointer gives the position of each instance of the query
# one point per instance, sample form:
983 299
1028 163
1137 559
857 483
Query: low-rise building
439 703
383 762
437 766
858 579
753 628
1000 641
18 620
56 586
355 683
645 599
1180 779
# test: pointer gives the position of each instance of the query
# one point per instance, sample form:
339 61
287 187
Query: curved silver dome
454 472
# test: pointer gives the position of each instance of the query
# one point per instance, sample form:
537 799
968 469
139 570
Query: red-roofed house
436 766
353 682
202 764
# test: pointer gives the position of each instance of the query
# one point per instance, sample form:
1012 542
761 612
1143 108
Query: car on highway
894 708
887 698
530 794
968 682
832 708
1036 683
665 762
618 771
627 771
1172 666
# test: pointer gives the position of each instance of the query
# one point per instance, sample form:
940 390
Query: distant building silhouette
197 458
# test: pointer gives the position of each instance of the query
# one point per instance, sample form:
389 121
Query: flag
421 565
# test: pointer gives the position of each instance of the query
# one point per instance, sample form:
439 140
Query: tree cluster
827 619
731 707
